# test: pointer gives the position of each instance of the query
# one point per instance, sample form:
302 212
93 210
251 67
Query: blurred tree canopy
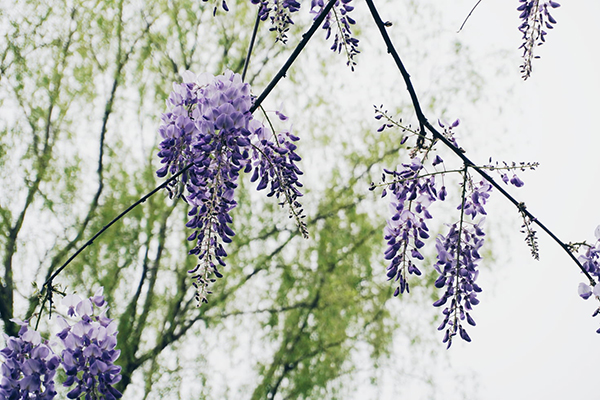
82 86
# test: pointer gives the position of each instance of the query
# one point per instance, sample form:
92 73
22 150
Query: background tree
82 89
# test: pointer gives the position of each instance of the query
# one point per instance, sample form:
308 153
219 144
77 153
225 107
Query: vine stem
251 45
280 74
468 163
468 16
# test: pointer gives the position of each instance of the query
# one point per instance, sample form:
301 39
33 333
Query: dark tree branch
117 218
251 45
469 16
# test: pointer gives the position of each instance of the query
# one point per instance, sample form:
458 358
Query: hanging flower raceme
90 349
457 261
88 357
590 260
280 13
535 19
210 131
340 20
406 229
28 366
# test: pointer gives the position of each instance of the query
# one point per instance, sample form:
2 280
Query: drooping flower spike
209 125
28 367
535 20
90 349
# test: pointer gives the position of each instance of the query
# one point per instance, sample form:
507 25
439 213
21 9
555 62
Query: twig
468 16
251 46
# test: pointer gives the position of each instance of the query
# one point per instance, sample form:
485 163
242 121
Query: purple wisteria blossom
90 349
280 12
590 260
28 366
457 259
535 19
209 125
406 229
414 188
340 20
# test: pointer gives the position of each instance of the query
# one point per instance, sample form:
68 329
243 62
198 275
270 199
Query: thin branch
437 135
468 16
251 46
118 217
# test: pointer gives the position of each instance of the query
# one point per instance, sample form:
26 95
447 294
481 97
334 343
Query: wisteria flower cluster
413 194
29 366
90 349
210 130
535 19
341 20
30 363
414 189
280 12
457 261
590 260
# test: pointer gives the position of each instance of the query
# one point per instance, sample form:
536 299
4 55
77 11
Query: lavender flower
209 124
457 259
280 13
29 366
89 354
339 19
535 17
585 291
590 260
406 229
